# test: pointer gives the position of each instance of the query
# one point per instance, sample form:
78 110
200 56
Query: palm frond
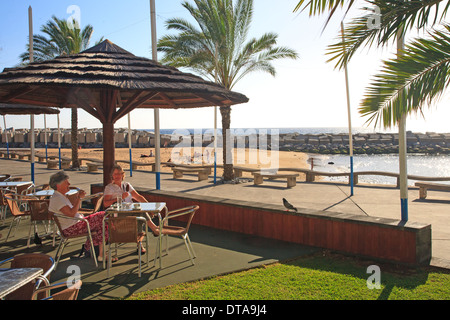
394 16
318 7
219 43
407 84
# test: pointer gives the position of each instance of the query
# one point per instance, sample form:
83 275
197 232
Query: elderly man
60 203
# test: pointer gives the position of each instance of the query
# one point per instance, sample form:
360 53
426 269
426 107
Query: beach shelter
108 82
21 109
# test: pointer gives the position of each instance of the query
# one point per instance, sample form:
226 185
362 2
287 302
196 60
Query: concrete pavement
218 251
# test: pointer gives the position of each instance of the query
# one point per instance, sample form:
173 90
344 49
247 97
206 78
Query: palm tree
61 38
405 83
220 49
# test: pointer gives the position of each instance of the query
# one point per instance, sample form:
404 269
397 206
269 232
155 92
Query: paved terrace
219 251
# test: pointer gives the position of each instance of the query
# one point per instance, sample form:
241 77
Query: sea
417 164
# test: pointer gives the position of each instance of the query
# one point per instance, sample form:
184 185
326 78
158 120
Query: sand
249 158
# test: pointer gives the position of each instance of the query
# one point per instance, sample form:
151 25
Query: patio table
14 184
136 208
50 192
12 279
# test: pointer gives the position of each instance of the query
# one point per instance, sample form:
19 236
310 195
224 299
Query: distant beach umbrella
98 78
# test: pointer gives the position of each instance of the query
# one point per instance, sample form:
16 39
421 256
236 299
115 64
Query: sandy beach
248 158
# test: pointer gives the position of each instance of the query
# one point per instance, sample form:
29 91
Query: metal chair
3 204
37 188
6 177
65 239
31 260
12 179
165 230
125 230
13 201
39 212
70 293
97 199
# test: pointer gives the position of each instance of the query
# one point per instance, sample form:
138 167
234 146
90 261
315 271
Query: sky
307 92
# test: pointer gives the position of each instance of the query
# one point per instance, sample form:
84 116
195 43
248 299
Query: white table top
13 279
14 183
150 207
50 192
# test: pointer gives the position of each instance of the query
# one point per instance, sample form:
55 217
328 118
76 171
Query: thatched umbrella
22 109
108 82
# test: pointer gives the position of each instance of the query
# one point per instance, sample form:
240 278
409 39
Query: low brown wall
379 238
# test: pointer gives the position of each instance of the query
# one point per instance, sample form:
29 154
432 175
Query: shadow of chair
125 230
39 212
70 293
13 202
30 260
64 239
164 229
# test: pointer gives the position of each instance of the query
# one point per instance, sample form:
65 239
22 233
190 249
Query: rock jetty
325 143
366 143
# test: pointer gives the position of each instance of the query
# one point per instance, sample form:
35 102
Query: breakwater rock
373 143
325 143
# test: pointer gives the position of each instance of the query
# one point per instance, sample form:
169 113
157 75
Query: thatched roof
80 80
23 109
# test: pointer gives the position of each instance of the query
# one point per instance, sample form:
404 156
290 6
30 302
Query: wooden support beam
133 103
108 151
18 93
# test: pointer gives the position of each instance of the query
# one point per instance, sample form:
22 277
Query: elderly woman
60 203
120 188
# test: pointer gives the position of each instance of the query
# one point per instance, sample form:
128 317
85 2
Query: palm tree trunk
228 172
74 138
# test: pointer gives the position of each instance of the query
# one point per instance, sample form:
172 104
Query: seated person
60 203
120 188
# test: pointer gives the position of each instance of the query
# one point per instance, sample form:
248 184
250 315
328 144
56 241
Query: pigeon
288 205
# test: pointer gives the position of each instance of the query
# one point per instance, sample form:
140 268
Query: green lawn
318 277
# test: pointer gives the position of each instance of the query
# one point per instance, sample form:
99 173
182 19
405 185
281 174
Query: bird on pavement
288 206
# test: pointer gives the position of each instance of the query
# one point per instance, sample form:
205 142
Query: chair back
186 214
25 188
30 260
192 210
14 179
2 198
39 210
6 177
71 293
12 204
98 204
122 229
55 218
